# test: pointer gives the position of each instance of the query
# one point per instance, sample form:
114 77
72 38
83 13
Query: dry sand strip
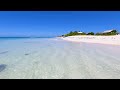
114 40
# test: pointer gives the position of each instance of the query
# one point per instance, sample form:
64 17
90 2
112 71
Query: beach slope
115 40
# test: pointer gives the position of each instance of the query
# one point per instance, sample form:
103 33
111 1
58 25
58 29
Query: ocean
54 58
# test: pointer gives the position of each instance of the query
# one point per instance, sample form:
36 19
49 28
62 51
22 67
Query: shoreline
111 40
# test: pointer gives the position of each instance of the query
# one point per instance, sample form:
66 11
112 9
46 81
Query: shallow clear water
55 58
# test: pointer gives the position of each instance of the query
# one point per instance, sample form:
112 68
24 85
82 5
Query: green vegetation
113 32
73 33
90 33
98 34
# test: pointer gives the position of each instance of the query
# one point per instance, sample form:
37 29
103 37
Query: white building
80 32
107 31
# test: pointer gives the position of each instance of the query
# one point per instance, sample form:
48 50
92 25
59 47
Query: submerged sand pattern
57 58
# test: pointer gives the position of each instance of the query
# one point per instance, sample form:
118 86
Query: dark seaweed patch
4 52
2 67
30 53
26 54
36 62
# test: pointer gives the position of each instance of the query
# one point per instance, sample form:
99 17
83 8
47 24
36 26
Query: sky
54 23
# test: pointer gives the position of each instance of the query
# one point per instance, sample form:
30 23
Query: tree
83 33
114 32
90 33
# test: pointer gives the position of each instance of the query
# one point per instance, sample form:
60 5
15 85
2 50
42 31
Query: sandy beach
60 45
114 40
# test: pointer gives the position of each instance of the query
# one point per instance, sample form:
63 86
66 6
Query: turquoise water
34 58
14 38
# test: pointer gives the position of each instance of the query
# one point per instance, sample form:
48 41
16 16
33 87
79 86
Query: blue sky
53 23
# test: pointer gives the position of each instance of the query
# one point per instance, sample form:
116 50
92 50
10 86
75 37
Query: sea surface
54 58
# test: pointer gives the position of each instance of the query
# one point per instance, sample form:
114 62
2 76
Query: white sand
115 40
